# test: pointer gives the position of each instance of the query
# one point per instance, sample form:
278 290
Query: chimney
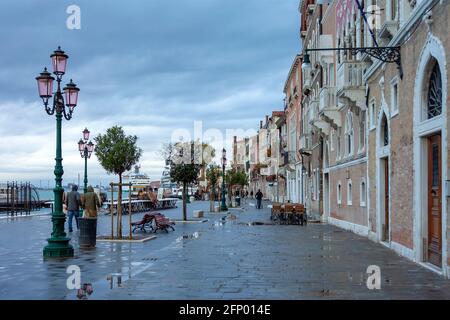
267 119
260 124
235 139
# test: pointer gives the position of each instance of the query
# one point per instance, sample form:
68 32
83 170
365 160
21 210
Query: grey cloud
151 66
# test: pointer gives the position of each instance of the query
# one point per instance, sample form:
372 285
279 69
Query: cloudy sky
153 67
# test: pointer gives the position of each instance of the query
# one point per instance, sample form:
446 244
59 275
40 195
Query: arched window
338 143
339 193
349 133
434 101
349 193
362 194
362 130
384 131
326 155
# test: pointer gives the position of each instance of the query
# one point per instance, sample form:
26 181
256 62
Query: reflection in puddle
85 291
194 235
118 279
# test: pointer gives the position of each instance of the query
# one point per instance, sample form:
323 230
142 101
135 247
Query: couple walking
89 202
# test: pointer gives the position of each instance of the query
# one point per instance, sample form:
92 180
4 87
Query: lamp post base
58 248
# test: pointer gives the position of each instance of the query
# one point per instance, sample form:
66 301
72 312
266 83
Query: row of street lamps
62 106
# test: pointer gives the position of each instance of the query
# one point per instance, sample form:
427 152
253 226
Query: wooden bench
145 222
162 223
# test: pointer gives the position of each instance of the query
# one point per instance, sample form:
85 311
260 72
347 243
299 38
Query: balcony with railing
315 119
328 109
327 99
305 142
350 84
313 111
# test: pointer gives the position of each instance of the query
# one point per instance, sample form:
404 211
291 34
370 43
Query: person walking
90 203
259 197
73 201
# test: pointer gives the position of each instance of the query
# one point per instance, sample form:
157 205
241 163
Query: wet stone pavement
217 259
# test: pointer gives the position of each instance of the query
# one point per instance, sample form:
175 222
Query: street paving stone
218 259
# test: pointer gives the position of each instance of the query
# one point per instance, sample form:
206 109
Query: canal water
45 194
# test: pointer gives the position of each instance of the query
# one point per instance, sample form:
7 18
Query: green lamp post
86 150
58 245
223 205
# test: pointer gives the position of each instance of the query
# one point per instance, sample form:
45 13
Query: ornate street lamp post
58 244
86 150
223 206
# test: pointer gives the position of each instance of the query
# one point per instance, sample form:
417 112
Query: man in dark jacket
73 201
258 197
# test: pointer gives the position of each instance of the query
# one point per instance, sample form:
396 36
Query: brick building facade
364 143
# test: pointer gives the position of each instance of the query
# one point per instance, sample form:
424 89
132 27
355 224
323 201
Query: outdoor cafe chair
289 210
299 213
276 211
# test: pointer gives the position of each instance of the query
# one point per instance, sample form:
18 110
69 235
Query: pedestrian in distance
90 203
259 197
73 202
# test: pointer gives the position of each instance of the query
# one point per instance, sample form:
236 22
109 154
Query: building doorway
384 205
434 193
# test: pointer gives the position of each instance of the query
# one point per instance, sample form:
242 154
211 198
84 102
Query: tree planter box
198 214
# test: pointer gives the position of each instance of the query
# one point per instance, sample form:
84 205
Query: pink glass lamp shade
45 84
71 93
59 62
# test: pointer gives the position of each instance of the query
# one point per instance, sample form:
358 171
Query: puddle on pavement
194 235
114 280
256 223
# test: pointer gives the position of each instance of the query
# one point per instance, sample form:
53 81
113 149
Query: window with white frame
314 185
349 193
362 130
349 133
372 114
318 184
392 6
292 134
394 96
331 74
332 134
362 193
338 143
339 193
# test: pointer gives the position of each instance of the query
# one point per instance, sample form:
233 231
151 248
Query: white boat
139 181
